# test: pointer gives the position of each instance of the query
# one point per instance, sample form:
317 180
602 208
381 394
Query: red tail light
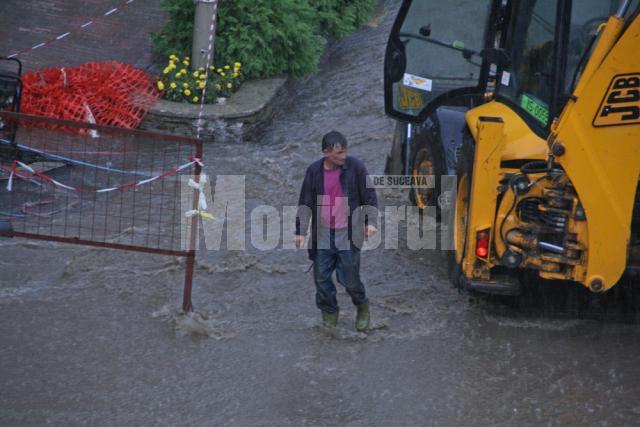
482 243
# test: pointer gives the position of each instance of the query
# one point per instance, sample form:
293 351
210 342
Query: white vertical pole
203 30
202 53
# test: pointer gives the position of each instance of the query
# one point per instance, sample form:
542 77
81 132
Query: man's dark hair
332 139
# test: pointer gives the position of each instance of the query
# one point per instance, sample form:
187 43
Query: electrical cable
69 160
12 215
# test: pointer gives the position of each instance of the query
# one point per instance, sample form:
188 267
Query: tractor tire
633 261
427 159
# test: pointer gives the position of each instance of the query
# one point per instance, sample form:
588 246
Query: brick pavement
122 36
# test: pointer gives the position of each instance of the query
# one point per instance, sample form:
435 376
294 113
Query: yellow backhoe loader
534 105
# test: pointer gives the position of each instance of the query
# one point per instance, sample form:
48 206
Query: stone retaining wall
241 118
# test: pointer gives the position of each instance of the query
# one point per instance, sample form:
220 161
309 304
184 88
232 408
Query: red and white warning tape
43 177
81 27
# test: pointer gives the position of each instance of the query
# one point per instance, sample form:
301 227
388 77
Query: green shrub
266 40
176 36
269 37
338 18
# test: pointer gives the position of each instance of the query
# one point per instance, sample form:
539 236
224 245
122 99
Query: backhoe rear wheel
427 160
633 261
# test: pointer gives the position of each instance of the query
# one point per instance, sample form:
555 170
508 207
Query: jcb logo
621 104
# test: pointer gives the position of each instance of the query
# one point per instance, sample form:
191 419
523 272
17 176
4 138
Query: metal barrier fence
100 186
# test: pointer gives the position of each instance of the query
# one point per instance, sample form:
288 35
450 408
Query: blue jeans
346 263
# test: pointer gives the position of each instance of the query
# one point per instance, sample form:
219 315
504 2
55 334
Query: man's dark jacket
353 179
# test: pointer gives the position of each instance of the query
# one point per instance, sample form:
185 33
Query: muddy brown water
93 336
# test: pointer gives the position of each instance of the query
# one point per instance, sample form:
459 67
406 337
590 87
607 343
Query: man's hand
369 231
298 240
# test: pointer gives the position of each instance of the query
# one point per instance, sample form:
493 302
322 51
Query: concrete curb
239 119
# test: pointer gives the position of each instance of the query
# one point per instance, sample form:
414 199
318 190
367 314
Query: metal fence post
203 29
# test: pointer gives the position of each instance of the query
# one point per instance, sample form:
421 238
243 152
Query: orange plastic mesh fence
110 93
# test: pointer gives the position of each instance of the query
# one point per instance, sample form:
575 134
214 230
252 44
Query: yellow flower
237 65
173 57
187 92
218 87
201 68
186 63
219 70
160 85
177 75
226 67
196 74
173 85
223 74
166 71
195 99
229 85
201 85
183 71
185 84
235 74
203 76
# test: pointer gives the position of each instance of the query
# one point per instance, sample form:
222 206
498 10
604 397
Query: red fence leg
191 256
193 237
187 306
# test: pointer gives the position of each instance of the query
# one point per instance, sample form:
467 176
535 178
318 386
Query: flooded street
94 336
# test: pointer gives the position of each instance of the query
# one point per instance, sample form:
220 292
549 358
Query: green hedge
338 18
266 40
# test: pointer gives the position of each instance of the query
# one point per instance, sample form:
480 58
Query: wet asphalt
94 336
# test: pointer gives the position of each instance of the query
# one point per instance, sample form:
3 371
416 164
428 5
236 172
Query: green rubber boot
363 317
329 320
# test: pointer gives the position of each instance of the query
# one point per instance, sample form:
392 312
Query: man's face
336 155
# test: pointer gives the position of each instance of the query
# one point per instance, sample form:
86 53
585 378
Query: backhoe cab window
528 80
586 17
442 43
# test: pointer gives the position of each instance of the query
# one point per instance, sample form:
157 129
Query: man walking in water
343 212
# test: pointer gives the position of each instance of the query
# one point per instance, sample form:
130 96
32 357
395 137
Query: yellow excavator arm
598 134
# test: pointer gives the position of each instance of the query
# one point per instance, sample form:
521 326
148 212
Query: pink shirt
333 212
